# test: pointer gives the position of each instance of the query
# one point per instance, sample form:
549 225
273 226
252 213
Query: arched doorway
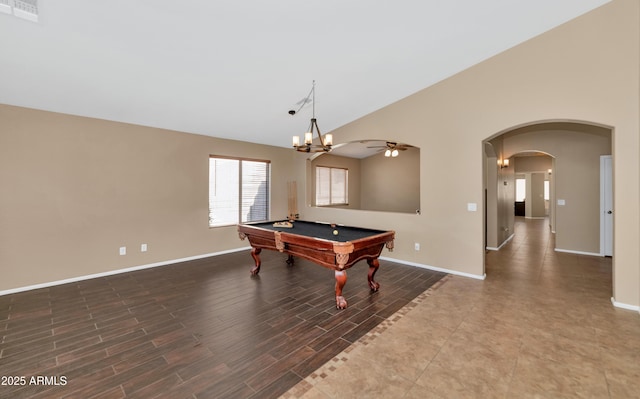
533 173
574 202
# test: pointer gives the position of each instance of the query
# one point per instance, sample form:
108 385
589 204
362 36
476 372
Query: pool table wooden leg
341 280
255 254
373 268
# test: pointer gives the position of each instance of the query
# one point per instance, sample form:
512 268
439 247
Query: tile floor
541 325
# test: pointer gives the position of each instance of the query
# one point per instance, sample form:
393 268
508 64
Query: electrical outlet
143 247
123 250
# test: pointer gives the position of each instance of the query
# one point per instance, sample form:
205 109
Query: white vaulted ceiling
234 68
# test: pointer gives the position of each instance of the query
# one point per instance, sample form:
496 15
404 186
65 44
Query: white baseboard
501 245
624 305
569 251
535 217
169 262
437 269
119 271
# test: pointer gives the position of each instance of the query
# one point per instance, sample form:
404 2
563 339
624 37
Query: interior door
606 205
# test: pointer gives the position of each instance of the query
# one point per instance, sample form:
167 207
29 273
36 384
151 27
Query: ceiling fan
391 148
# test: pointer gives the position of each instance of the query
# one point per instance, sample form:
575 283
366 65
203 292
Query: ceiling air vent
25 9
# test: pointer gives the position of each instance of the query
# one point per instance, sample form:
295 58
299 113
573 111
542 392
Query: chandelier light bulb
328 139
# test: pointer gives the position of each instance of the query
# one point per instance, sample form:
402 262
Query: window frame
239 207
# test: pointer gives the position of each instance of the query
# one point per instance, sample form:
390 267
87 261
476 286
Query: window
238 191
546 190
521 189
332 186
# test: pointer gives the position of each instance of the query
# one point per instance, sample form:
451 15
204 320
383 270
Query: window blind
238 191
332 186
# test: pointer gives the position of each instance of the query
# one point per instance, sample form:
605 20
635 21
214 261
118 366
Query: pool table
333 246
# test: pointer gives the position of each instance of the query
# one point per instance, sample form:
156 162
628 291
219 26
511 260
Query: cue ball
335 232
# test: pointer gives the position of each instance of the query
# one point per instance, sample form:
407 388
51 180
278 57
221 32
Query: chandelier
308 146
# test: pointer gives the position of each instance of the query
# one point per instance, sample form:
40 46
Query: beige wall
535 196
76 189
586 70
500 185
524 164
490 172
391 184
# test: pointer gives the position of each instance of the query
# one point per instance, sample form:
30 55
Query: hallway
540 325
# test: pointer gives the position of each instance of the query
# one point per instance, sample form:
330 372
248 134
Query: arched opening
561 154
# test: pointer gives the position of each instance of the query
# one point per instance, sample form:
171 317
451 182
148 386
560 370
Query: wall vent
25 9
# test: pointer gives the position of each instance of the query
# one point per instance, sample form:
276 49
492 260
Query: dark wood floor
199 329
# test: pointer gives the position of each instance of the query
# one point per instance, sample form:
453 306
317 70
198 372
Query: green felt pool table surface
323 230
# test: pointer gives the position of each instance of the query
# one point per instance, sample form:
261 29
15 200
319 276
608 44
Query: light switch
472 207
561 202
